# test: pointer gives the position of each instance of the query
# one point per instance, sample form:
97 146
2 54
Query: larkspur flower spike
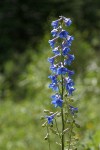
61 82
62 50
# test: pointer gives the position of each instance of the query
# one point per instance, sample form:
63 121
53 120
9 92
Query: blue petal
63 34
67 21
55 24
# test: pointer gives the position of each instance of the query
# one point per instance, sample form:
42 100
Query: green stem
70 136
62 140
62 116
48 138
57 128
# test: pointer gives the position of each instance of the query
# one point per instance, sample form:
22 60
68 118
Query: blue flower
65 51
56 100
56 51
50 119
65 44
69 85
69 81
71 89
63 34
53 78
67 21
55 23
54 32
69 59
69 40
73 109
61 70
70 72
51 60
52 43
53 86
53 68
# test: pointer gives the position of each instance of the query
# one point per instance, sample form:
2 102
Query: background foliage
24 49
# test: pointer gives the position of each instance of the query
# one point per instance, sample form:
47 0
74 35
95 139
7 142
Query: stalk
70 136
62 116
48 138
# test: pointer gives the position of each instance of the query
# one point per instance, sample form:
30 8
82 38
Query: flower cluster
60 60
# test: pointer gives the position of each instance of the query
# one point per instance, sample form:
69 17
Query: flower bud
44 124
46 137
59 114
66 130
46 111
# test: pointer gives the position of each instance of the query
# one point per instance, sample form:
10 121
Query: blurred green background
24 49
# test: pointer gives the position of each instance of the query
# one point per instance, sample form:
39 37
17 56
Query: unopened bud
66 130
44 124
46 137
59 114
51 113
46 111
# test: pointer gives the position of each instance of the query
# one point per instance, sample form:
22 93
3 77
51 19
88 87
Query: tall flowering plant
62 122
